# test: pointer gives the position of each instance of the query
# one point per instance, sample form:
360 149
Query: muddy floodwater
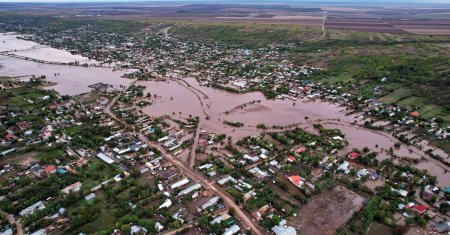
18 59
325 213
10 43
70 80
180 98
183 96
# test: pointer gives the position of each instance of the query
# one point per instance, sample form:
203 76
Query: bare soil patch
325 213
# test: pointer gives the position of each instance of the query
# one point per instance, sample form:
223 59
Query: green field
396 96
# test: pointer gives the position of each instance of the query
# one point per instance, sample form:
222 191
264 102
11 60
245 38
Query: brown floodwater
15 46
72 80
183 97
179 99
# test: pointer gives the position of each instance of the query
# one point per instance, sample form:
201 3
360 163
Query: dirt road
12 220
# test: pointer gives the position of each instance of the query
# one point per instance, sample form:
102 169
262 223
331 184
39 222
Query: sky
247 1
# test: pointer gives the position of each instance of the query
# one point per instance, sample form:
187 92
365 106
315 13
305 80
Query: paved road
191 173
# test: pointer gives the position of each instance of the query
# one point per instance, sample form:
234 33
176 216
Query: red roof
353 155
23 124
50 168
290 158
300 150
295 179
9 136
419 209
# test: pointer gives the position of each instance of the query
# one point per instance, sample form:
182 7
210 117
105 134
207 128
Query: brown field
327 212
424 19
21 160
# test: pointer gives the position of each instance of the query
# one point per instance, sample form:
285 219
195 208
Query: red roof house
353 155
50 169
300 150
296 180
290 159
10 136
23 125
419 209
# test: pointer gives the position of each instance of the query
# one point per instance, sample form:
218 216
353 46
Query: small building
90 197
419 209
353 155
443 227
105 158
300 150
296 180
290 159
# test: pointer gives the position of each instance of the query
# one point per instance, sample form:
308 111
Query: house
428 194
258 214
290 159
296 180
232 230
7 232
50 169
284 230
46 134
415 114
75 187
90 197
36 169
419 209
260 174
168 174
374 176
180 183
10 136
211 202
353 155
363 172
190 189
443 227
166 204
29 210
23 125
135 229
105 158
300 150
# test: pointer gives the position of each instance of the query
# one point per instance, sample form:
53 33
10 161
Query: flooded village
113 133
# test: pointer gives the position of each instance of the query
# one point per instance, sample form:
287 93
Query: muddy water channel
180 98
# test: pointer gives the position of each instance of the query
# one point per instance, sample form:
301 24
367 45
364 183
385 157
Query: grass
429 111
395 96
412 101
5 79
